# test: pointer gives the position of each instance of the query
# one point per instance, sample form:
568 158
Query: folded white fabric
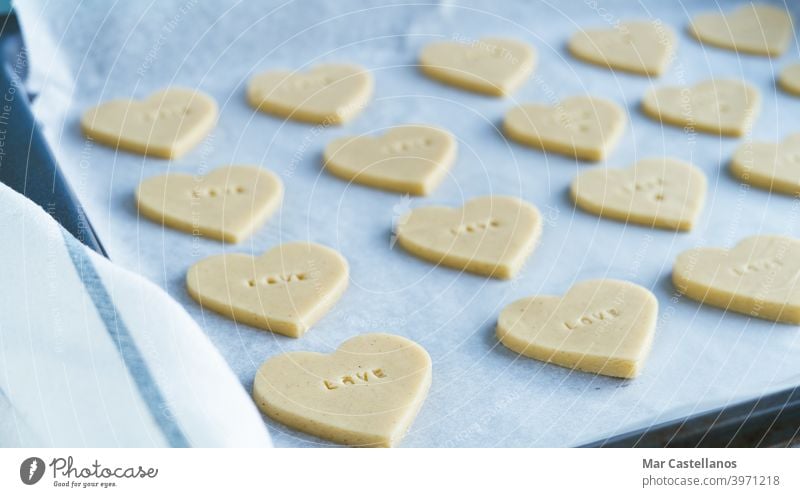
93 355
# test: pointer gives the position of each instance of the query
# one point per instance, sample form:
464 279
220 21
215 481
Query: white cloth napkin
94 355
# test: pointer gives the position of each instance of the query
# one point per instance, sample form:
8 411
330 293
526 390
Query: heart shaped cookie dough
326 94
758 277
789 79
726 107
490 235
494 66
583 127
771 166
166 124
599 326
641 47
228 204
752 28
661 193
365 394
407 159
286 290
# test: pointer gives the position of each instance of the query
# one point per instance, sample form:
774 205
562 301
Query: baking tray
28 165
30 168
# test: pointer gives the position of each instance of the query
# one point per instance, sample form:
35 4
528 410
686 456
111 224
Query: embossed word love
771 166
490 235
586 128
494 66
758 277
228 204
408 159
166 124
599 326
326 94
367 393
642 47
752 28
725 107
286 290
659 192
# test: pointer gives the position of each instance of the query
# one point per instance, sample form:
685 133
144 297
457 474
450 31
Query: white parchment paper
87 52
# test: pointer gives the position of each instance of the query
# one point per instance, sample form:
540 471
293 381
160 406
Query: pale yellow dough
285 290
752 28
640 47
789 79
407 159
494 66
659 192
490 235
166 124
228 204
726 107
599 326
772 166
325 94
758 277
583 127
365 394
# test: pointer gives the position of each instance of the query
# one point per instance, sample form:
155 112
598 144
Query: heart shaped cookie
599 326
752 28
772 166
490 235
641 47
166 124
326 94
286 290
789 79
228 204
726 107
583 127
365 394
758 277
661 193
494 66
407 159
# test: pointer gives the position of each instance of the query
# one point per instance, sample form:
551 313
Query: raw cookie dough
365 394
286 290
490 235
641 47
326 94
494 66
658 192
758 277
789 79
599 326
753 28
726 107
166 124
407 159
228 204
772 166
583 127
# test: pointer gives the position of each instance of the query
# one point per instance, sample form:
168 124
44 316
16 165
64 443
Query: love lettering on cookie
605 315
357 378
